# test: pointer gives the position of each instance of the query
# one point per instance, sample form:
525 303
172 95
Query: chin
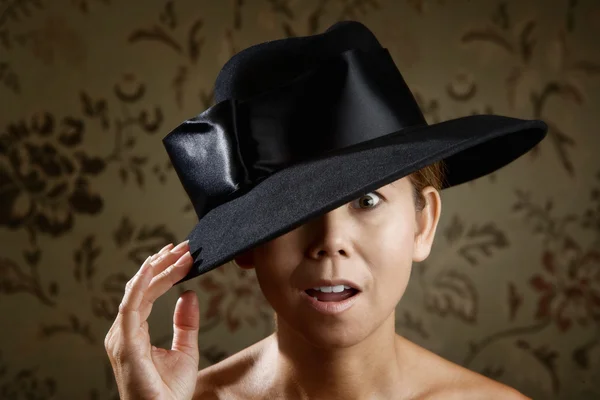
330 332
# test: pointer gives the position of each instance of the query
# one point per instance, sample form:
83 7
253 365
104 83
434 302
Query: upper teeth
334 289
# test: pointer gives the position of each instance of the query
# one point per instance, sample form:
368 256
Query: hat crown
265 66
304 125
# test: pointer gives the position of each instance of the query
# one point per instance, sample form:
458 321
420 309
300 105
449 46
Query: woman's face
371 241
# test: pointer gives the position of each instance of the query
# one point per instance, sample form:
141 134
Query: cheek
393 262
273 275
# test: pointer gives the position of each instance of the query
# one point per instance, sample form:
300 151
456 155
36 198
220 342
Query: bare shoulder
475 390
234 377
441 379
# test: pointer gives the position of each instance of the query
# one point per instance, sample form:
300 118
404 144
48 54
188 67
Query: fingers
168 268
186 323
130 319
161 251
134 294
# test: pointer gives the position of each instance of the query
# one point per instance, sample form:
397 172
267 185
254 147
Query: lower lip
330 307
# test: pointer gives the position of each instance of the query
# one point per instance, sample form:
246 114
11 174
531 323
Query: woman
330 223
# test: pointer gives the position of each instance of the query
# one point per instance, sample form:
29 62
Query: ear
245 260
426 223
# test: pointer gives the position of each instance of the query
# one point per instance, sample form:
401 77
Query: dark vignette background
88 88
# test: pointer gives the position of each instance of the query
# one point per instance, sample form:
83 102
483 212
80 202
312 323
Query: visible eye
367 201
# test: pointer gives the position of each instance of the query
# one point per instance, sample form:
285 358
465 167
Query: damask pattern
90 87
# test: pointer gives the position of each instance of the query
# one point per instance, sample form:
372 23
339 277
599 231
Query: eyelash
381 198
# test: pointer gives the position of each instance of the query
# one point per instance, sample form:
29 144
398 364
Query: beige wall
88 88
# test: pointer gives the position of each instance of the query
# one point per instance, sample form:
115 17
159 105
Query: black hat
304 125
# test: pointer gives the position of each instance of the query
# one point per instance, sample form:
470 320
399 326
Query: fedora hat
303 125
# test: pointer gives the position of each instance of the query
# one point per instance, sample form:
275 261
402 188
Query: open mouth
331 296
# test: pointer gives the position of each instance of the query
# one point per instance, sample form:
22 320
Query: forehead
397 185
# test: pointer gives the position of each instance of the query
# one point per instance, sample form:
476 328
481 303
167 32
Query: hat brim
471 147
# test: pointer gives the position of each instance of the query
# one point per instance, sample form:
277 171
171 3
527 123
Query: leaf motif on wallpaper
73 327
128 92
476 239
85 260
83 5
559 138
193 44
25 383
565 84
546 357
106 305
282 7
207 99
581 354
515 39
151 121
354 9
586 67
568 284
131 94
282 10
452 292
178 84
15 11
591 216
477 347
162 170
421 5
234 297
237 14
133 167
54 38
492 372
9 78
14 280
140 242
406 321
569 288
45 176
570 16
213 354
95 109
462 88
167 16
156 33
540 216
515 300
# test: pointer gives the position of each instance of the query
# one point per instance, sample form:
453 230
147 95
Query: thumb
186 323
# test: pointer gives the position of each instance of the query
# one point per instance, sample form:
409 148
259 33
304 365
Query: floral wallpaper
88 88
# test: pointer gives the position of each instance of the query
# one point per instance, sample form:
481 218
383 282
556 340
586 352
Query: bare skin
427 376
352 355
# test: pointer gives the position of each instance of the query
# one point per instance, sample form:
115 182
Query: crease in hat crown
265 66
271 114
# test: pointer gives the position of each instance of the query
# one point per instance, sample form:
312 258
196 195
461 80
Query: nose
330 235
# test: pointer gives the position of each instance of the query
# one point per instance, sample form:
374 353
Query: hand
143 371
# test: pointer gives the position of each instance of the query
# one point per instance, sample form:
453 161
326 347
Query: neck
364 370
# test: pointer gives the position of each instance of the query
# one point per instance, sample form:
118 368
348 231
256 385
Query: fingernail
179 247
183 259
